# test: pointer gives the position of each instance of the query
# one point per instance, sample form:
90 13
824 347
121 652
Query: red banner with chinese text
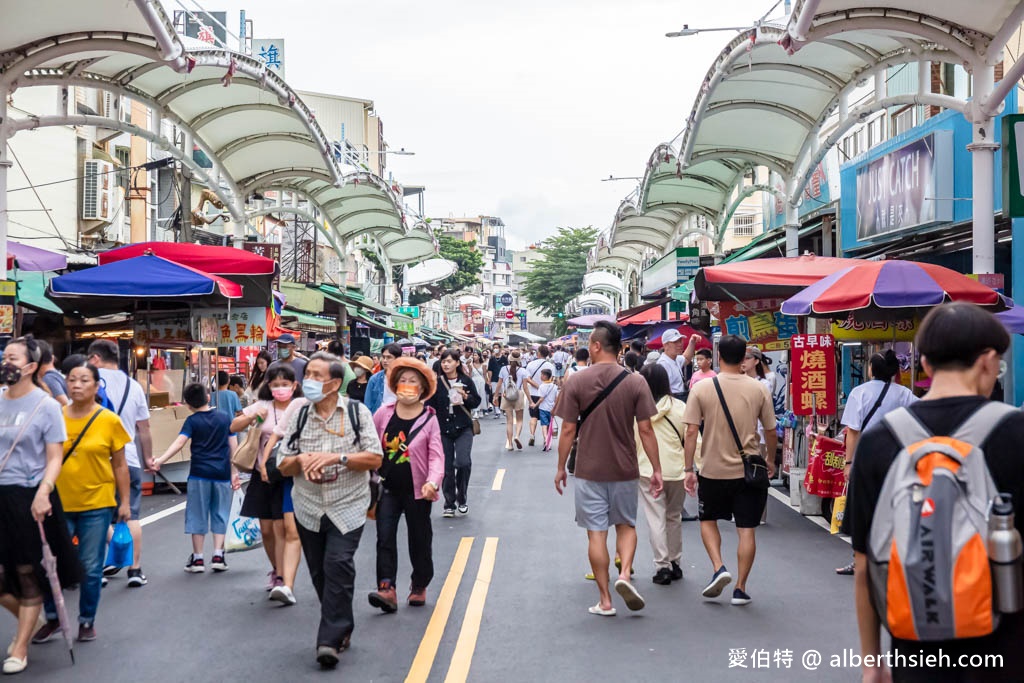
825 463
758 321
813 374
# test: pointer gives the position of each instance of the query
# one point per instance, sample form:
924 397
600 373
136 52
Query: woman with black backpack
456 396
511 398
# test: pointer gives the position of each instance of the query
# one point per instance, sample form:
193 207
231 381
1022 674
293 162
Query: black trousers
458 463
330 558
421 538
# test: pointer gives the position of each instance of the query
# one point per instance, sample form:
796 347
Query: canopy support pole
5 165
343 331
792 230
982 151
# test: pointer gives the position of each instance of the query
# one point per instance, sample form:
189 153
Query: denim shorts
604 504
545 417
207 506
134 491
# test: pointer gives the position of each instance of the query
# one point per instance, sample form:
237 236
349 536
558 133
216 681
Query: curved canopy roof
252 125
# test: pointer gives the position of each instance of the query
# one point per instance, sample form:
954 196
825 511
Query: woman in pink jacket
412 471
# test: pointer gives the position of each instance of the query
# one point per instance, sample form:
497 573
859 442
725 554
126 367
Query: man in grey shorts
607 469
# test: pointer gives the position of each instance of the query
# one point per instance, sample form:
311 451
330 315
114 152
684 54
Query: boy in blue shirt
227 400
211 476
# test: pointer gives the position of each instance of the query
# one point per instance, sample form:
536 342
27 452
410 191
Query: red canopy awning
644 313
765 278
211 259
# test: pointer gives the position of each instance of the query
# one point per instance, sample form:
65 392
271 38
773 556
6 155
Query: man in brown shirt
607 469
722 492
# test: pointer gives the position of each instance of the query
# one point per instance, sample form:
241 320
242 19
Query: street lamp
687 31
628 177
400 152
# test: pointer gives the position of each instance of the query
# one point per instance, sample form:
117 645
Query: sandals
519 444
599 611
630 595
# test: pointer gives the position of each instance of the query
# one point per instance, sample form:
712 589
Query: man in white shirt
532 384
674 358
130 404
561 360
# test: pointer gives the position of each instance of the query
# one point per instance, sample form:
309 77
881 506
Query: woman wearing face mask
271 502
363 368
411 471
455 397
259 373
94 467
32 436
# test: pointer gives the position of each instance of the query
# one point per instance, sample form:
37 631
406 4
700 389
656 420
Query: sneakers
740 598
111 570
195 565
218 564
677 572
531 441
272 579
282 594
464 509
326 656
663 576
448 512
86 633
719 580
104 581
417 597
136 579
46 631
384 598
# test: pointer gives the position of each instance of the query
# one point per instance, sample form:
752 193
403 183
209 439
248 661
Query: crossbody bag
570 465
81 434
874 408
755 467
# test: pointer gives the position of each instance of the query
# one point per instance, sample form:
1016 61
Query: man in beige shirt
721 490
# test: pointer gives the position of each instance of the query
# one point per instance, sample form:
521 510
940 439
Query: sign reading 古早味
813 374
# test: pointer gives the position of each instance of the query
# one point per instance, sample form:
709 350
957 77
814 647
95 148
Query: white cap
652 358
671 336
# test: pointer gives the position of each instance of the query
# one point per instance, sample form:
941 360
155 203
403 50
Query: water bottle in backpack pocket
929 568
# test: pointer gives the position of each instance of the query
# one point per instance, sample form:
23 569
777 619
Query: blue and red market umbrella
889 289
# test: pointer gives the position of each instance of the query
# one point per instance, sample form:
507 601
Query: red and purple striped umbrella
888 288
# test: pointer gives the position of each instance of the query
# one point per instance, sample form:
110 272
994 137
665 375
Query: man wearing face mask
329 448
363 367
378 392
286 354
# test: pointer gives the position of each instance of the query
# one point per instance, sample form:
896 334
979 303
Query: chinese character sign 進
813 374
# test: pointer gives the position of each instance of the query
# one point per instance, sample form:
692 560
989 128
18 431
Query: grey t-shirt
54 381
28 458
298 365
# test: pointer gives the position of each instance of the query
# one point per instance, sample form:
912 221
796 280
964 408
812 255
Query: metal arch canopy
250 123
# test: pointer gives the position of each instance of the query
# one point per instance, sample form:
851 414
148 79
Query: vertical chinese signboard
813 374
269 250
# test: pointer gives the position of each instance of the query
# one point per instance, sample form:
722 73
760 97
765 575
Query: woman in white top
512 374
753 366
868 403
477 370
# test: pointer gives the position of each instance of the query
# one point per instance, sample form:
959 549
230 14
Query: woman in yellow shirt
94 464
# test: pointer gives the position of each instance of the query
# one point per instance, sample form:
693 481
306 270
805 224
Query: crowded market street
527 621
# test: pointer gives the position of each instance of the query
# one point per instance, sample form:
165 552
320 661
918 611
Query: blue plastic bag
121 550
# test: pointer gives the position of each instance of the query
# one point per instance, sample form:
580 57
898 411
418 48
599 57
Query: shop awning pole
983 148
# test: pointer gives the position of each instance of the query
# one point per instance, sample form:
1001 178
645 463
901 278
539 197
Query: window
522 259
902 120
743 226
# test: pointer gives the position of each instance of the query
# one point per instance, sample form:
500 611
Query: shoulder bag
82 434
874 408
755 467
248 453
571 463
21 433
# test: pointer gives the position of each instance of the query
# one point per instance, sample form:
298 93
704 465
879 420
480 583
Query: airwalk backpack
928 564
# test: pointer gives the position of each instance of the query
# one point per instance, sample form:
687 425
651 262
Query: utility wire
35 191
81 177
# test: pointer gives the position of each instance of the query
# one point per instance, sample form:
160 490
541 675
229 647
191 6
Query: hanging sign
853 330
758 321
243 326
163 330
813 374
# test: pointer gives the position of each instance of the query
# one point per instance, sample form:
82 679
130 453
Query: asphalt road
516 607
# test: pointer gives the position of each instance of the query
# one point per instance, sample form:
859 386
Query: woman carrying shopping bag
411 472
94 468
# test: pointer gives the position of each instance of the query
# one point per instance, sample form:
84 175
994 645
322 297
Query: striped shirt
346 499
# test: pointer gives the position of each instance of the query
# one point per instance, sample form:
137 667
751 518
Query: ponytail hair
885 366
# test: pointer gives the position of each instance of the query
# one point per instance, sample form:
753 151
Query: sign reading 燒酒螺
813 374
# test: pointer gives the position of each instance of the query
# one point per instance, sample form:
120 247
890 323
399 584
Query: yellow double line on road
458 670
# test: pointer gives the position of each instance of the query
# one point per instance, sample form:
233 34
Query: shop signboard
813 374
269 250
850 330
243 326
411 311
522 319
506 300
209 27
270 51
8 297
170 330
910 187
758 321
678 266
1013 154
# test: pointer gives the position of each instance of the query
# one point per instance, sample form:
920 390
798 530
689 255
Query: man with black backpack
600 407
920 507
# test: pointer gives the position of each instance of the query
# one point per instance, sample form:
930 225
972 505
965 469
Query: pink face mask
282 393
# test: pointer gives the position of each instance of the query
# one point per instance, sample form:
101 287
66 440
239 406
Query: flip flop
519 444
630 595
596 609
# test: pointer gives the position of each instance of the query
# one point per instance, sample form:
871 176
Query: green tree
558 278
466 256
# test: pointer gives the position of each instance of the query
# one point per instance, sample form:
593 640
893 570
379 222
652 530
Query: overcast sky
514 109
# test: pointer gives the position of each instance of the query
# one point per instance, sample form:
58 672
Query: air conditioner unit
98 190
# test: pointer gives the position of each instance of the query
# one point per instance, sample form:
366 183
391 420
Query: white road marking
157 516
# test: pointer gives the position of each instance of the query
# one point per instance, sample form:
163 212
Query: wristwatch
343 460
687 470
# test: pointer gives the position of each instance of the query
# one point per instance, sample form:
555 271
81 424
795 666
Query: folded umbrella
50 566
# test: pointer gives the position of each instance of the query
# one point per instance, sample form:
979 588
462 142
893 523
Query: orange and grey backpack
928 564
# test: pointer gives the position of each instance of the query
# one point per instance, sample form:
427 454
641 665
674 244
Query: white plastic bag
243 532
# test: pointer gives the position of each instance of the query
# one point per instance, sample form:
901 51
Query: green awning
31 291
349 298
766 242
683 291
322 324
